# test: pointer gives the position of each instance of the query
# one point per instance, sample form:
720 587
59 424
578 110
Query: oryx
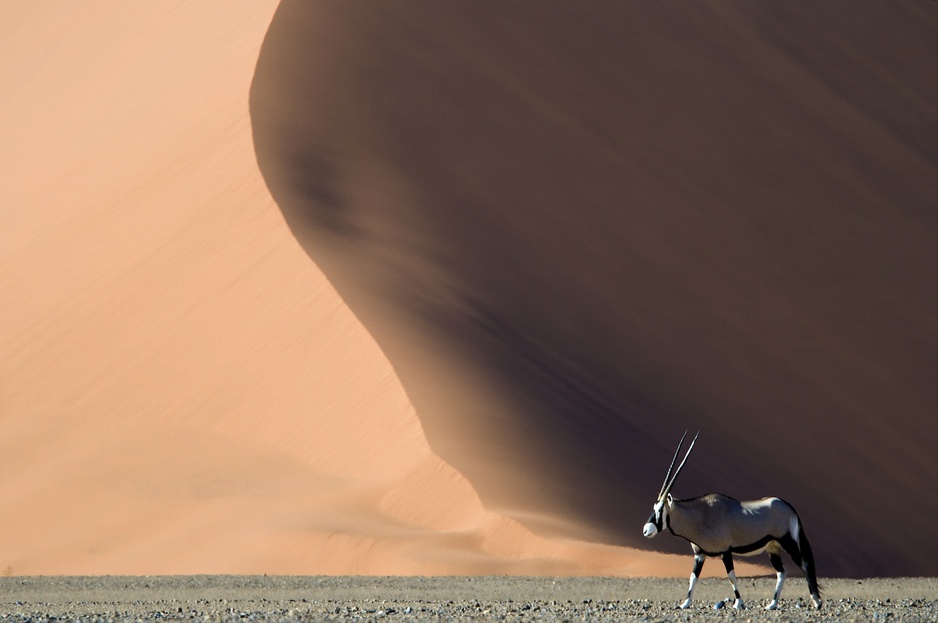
718 525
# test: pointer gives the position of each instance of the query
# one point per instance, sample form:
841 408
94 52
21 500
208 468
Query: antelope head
658 519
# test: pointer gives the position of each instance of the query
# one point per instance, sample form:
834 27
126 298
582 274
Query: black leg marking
776 561
699 559
790 546
728 561
731 574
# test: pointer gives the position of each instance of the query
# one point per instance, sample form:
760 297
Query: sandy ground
286 598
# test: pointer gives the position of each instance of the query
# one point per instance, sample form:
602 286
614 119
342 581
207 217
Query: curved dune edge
181 391
579 231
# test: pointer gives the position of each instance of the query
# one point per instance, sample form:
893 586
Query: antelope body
718 525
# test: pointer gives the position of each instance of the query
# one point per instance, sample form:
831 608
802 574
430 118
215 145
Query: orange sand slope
602 223
181 390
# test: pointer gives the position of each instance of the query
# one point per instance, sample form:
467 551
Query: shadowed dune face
579 230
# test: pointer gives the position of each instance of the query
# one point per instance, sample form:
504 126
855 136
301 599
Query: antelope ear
670 500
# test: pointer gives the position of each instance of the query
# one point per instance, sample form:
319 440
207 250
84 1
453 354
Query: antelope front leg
694 576
731 574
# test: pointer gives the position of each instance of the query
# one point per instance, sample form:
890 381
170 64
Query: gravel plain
440 599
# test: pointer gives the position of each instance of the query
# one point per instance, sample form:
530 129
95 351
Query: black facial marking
653 519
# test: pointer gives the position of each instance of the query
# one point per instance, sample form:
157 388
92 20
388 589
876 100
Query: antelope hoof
772 605
685 605
817 603
738 605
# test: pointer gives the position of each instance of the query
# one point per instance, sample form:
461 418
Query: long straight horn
673 461
681 466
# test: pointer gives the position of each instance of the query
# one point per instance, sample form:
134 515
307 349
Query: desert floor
455 598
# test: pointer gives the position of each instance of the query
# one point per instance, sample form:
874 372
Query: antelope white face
659 514
655 520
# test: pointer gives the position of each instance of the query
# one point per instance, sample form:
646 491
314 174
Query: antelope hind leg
780 574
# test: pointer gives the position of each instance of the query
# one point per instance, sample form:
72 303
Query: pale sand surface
181 390
284 598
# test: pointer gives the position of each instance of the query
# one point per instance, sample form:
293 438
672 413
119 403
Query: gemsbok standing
718 525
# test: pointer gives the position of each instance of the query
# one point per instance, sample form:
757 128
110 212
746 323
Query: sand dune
579 230
181 389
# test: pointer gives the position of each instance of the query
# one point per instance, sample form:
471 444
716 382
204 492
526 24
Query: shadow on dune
578 229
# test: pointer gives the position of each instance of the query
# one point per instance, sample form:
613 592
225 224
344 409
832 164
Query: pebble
434 609
501 611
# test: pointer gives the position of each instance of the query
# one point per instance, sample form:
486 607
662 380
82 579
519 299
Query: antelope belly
768 544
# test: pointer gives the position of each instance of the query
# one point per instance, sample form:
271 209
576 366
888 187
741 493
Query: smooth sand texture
181 390
579 230
232 598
